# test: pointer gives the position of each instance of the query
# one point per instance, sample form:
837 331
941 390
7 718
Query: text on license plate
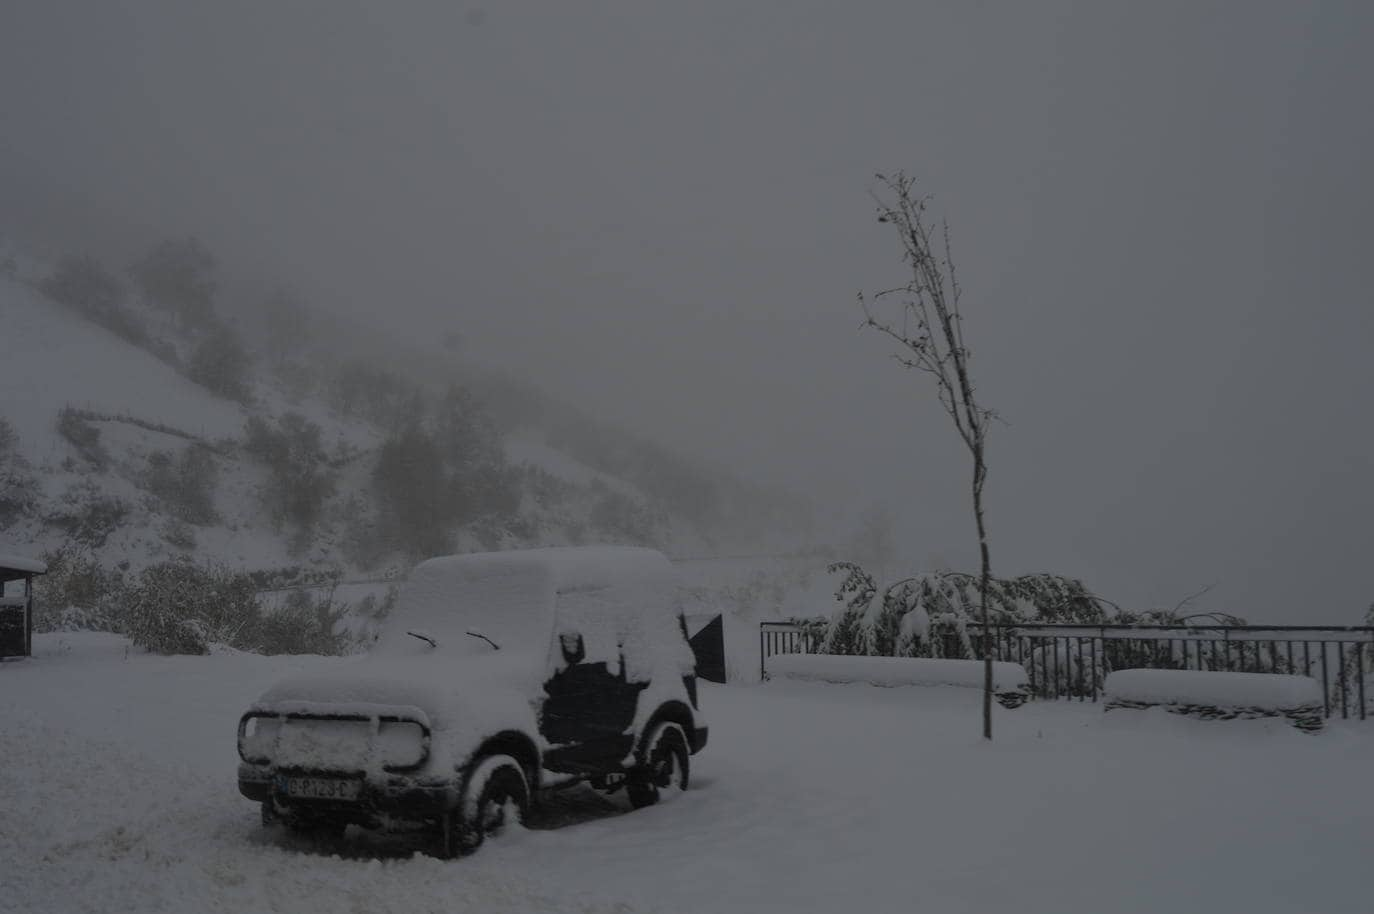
320 788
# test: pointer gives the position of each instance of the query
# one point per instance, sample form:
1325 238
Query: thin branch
1191 597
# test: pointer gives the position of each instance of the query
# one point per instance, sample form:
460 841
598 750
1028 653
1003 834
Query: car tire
496 784
663 769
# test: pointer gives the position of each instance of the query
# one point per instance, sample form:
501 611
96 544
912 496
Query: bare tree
922 317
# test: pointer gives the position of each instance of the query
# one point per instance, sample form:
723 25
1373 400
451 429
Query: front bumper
396 797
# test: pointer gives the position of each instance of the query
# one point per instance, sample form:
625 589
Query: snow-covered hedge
1009 680
1218 695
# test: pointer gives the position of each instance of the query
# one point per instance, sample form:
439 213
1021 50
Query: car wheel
496 791
663 769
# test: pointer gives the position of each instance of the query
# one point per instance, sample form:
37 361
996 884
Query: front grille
333 742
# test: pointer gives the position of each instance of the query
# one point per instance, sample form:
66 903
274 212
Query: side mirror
574 649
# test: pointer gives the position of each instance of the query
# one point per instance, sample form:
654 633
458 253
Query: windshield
466 606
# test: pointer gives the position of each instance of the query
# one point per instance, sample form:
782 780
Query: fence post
763 633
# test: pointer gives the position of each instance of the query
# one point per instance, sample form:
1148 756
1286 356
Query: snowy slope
143 413
527 447
810 799
51 357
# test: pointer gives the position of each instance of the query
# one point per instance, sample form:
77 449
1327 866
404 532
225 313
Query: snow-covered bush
87 516
929 615
305 624
1058 668
847 633
178 607
376 610
77 593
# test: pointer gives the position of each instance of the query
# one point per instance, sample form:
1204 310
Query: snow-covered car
497 675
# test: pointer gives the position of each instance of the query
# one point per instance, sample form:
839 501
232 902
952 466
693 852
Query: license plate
319 788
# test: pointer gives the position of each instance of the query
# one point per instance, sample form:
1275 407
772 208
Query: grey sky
1160 213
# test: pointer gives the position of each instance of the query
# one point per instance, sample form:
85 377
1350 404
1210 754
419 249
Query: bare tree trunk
985 575
928 327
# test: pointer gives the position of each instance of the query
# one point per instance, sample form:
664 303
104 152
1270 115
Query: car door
588 708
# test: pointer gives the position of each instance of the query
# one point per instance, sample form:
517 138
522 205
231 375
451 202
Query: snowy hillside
311 461
53 358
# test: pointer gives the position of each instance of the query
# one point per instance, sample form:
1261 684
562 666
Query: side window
572 646
586 630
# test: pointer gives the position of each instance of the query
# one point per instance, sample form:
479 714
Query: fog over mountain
1159 212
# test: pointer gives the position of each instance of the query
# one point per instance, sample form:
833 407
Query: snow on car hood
465 697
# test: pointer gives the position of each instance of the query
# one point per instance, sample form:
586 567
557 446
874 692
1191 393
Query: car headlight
258 737
402 744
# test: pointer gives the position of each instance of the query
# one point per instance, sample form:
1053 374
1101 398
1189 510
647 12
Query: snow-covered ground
117 791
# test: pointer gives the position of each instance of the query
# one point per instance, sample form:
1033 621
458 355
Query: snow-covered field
117 794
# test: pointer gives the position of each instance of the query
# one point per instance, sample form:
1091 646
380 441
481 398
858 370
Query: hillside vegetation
150 417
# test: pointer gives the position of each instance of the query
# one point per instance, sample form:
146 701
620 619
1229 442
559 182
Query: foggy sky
1160 214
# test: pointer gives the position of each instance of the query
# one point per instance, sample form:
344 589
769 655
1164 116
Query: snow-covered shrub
930 615
87 516
813 631
179 607
1356 664
847 632
1056 667
373 611
305 624
185 483
76 593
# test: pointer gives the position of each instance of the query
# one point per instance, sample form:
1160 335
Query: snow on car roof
510 596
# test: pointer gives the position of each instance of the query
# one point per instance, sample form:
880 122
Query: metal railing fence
1071 661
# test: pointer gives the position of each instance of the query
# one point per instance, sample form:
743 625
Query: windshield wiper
432 642
484 638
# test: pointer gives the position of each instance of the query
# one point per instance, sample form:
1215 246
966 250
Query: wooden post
28 615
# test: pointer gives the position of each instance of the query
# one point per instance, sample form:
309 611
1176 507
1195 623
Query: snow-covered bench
1218 695
1009 681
